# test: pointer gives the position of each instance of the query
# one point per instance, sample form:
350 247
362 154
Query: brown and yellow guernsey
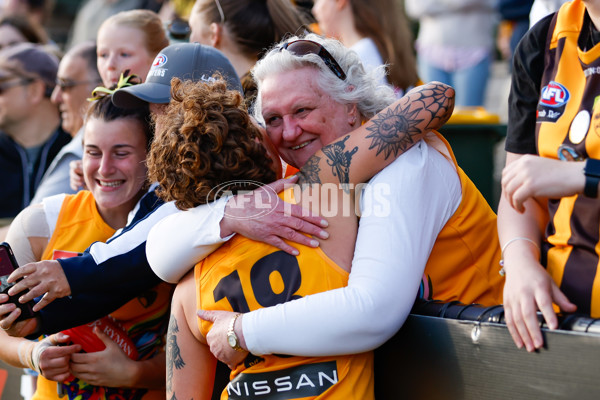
568 128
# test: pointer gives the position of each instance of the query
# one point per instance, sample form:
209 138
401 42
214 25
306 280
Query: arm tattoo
174 359
438 100
339 160
393 131
309 173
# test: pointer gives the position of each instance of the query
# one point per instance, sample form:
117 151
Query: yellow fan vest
464 262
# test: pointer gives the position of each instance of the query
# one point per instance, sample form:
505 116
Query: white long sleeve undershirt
404 208
180 240
415 197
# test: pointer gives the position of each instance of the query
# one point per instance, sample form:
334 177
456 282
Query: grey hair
361 87
87 51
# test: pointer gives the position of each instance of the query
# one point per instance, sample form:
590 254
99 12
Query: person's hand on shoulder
262 216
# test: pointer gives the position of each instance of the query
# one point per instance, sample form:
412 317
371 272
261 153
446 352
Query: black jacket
17 188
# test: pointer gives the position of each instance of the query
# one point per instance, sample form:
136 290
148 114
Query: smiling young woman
116 142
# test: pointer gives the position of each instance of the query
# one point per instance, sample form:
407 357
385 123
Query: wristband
592 177
36 354
25 351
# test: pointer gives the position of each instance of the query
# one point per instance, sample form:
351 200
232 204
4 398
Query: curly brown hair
205 139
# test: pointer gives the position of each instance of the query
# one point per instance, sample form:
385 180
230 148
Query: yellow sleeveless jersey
464 262
243 275
78 226
568 128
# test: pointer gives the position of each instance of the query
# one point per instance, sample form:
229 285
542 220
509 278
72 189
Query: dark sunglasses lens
303 47
7 84
63 84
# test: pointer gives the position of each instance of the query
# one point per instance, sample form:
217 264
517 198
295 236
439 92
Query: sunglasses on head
303 47
11 83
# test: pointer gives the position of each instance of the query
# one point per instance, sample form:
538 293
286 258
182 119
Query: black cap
28 60
186 61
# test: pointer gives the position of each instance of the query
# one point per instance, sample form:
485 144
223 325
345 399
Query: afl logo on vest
552 103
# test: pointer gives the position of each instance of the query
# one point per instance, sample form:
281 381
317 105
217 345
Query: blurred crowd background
67 22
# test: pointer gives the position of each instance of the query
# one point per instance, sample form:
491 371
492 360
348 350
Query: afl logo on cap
159 61
554 95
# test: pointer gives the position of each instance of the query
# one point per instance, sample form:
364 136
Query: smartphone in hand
8 264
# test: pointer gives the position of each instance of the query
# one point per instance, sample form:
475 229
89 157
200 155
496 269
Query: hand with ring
9 313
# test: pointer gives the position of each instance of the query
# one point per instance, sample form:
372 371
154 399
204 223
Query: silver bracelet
502 271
